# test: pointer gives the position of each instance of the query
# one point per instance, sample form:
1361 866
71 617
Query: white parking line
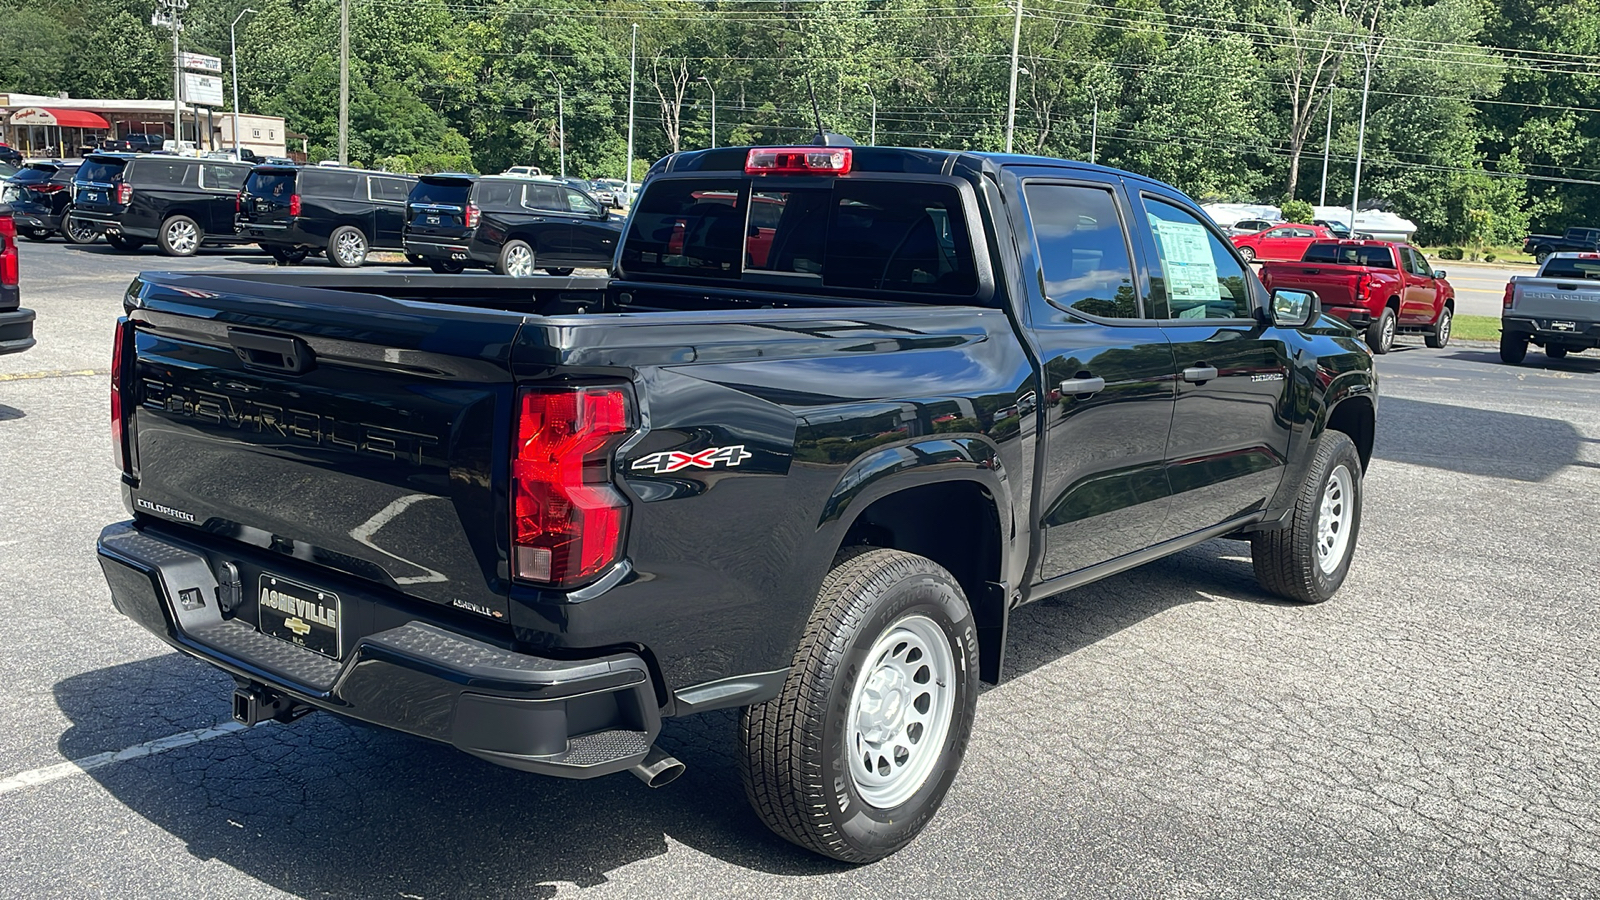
36 777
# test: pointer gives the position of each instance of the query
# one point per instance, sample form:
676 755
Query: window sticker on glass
1186 256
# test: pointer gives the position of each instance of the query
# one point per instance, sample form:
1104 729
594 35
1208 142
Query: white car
524 171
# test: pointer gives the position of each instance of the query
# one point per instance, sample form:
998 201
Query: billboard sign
198 62
202 90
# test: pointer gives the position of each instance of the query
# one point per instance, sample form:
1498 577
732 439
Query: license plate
433 220
262 206
1564 326
302 615
90 197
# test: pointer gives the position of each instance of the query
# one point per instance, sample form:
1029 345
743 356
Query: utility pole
713 91
1094 130
233 51
1011 108
1361 136
167 15
344 82
561 120
1327 142
633 71
874 140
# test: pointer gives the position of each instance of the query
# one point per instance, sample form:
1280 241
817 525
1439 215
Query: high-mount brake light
567 519
798 161
294 204
124 193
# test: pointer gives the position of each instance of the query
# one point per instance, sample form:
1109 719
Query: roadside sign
199 62
202 90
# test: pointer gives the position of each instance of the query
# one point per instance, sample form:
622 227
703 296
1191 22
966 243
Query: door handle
1200 374
1083 385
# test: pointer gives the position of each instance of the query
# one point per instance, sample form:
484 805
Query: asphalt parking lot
1434 731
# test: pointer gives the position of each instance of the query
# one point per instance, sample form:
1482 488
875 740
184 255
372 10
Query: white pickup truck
1558 309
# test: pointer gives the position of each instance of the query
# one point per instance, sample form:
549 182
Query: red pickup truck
1377 285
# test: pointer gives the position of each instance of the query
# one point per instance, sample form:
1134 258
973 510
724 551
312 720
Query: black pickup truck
1575 240
837 412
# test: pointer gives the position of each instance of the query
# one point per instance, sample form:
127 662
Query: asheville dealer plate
301 615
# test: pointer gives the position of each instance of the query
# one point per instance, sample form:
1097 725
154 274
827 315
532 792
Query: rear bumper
1357 316
1567 332
458 251
35 218
16 329
111 223
569 718
284 235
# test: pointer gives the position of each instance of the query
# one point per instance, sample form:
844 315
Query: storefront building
40 126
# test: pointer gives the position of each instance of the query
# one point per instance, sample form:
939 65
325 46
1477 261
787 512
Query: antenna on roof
824 138
815 109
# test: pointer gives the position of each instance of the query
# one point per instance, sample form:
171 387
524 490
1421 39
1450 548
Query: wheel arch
1356 415
947 500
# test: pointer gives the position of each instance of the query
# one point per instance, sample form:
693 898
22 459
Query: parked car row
509 224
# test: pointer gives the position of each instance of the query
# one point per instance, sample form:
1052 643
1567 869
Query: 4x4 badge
673 460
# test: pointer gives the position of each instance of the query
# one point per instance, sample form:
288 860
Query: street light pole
233 51
1011 108
1094 130
344 82
712 88
633 71
1327 142
1361 138
561 120
874 140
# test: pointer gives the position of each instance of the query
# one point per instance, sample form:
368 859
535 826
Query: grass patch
1475 328
1512 255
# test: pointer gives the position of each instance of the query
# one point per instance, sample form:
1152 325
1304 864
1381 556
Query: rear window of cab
852 234
441 192
101 171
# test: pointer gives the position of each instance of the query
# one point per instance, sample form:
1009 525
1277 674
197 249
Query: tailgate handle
272 352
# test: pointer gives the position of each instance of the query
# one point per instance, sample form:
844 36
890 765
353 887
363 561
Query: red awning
69 118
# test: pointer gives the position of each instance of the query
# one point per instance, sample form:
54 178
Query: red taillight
48 187
294 204
567 518
8 251
238 203
1505 302
470 220
118 450
798 161
124 193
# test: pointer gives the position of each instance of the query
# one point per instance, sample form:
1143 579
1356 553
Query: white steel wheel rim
181 237
1444 326
519 262
1335 517
900 711
351 248
1388 331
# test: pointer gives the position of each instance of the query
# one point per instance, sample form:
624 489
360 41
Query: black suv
40 195
291 211
178 202
510 225
134 143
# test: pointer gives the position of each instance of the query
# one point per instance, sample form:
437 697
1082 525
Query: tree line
1482 117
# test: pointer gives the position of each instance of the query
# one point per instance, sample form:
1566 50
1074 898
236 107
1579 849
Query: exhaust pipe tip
657 769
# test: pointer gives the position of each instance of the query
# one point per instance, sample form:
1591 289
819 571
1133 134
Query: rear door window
498 195
388 190
163 173
544 195
334 185
222 178
1083 249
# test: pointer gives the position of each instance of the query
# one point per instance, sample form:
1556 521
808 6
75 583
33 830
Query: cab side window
1083 249
579 203
1197 274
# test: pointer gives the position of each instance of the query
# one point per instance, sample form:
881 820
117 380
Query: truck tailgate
361 432
1335 285
1555 298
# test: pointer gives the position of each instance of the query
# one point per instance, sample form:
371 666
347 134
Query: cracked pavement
1433 731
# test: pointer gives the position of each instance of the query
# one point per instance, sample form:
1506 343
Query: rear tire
1540 256
855 755
1248 254
124 244
1308 560
286 256
1513 348
1555 351
180 236
1439 337
37 234
1380 334
516 260
75 230
347 247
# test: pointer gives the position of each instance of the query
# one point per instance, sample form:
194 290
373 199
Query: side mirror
1438 273
1295 309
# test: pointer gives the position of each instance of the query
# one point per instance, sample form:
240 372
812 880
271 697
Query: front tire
1513 348
1308 560
180 236
37 234
286 256
347 247
1248 254
447 267
559 273
1439 337
855 755
1380 334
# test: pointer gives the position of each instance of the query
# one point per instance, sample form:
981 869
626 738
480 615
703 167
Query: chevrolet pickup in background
1575 240
1377 286
16 323
1558 309
531 518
